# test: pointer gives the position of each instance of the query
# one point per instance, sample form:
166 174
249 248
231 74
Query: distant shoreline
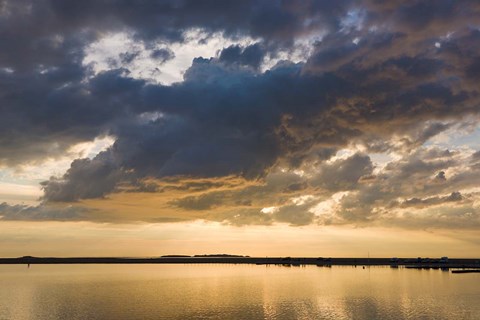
226 259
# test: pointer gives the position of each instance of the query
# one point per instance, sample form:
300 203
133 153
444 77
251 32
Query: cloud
342 175
464 217
85 179
162 55
250 56
41 212
371 79
416 202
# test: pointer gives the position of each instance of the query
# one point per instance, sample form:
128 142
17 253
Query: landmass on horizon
417 263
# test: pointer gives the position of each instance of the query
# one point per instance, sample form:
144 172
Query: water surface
234 292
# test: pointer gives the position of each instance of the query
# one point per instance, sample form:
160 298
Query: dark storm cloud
43 45
215 123
33 29
386 76
45 113
85 179
223 121
250 56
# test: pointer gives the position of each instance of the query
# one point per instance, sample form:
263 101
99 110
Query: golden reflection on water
234 292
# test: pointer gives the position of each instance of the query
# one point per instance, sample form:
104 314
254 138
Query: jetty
466 271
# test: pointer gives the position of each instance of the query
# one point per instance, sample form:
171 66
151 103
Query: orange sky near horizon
69 239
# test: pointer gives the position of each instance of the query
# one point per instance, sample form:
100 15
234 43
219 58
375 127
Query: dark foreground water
234 292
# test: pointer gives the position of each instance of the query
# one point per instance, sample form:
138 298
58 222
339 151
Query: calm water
234 292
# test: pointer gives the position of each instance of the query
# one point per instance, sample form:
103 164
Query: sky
267 128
